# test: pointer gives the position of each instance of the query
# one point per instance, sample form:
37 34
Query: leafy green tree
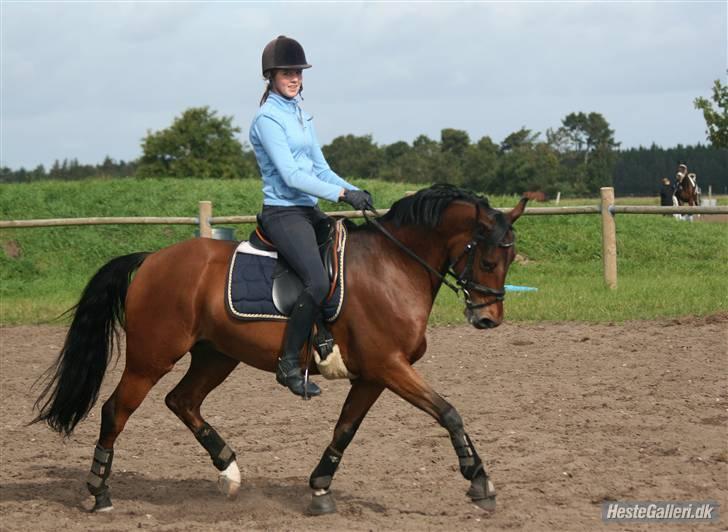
716 119
354 156
513 161
7 175
586 134
425 146
57 171
395 151
480 165
418 165
197 144
587 147
107 167
532 166
395 167
39 172
525 164
454 141
424 162
517 139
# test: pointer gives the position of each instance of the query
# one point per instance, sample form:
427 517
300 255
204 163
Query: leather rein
463 282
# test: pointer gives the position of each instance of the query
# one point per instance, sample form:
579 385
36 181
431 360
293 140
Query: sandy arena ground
565 416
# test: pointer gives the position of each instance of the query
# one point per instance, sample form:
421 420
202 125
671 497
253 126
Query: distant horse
687 190
175 304
536 195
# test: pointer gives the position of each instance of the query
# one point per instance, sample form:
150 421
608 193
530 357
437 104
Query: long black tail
75 379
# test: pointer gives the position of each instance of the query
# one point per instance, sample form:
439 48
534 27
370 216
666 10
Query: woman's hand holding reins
359 199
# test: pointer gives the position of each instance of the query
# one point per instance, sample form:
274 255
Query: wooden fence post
609 237
205 215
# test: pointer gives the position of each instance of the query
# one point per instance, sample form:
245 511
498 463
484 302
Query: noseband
464 281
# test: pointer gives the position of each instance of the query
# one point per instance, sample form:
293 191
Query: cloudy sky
87 79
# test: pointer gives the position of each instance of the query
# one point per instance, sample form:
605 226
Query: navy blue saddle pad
249 287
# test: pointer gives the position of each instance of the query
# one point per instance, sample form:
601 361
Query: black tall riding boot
299 327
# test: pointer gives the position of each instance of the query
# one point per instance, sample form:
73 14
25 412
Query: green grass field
666 267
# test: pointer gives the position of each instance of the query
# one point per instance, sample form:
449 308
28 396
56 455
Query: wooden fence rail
117 220
606 208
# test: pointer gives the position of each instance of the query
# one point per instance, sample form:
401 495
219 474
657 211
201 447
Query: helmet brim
289 67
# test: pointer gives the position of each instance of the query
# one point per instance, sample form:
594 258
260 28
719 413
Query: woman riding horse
295 174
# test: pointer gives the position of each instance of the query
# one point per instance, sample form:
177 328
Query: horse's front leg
362 396
403 380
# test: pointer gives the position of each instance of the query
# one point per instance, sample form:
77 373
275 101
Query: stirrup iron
305 385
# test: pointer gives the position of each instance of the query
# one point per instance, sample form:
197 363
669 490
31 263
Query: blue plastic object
516 288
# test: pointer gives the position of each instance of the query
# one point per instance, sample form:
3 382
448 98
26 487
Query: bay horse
174 304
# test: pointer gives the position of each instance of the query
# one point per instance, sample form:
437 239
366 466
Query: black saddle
287 285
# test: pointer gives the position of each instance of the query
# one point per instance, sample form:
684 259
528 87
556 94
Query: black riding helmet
283 52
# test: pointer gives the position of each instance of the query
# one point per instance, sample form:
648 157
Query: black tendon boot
299 327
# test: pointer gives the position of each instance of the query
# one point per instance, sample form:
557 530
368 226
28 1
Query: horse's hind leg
207 370
129 394
403 380
362 396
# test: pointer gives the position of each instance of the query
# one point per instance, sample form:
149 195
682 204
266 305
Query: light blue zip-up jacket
293 167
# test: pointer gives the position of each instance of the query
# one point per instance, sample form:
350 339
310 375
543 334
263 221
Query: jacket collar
282 102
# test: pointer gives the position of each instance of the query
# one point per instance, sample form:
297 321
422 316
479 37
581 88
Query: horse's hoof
482 492
228 487
487 504
481 487
321 504
229 481
103 503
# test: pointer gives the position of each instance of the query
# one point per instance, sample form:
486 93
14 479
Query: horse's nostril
485 323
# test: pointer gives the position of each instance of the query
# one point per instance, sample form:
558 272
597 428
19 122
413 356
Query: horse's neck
428 244
687 183
391 281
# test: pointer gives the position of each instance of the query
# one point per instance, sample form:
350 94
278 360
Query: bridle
464 281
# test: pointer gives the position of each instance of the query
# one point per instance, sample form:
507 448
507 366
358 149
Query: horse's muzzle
485 323
481 322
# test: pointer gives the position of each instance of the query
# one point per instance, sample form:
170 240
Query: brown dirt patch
713 218
12 249
565 416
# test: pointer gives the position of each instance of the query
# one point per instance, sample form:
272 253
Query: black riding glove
359 199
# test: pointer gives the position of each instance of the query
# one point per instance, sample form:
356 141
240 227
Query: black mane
425 208
427 205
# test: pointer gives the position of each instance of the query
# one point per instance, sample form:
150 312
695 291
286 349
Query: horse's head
480 257
474 242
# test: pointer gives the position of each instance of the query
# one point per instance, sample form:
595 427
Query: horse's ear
516 212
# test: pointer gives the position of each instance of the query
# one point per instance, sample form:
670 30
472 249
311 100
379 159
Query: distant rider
667 192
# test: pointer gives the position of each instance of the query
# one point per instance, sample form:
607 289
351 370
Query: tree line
576 158
69 170
482 166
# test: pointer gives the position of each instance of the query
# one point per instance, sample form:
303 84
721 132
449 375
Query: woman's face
287 83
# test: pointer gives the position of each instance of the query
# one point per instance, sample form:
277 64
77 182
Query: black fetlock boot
289 372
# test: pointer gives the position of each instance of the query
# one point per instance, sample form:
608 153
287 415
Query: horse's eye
487 266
